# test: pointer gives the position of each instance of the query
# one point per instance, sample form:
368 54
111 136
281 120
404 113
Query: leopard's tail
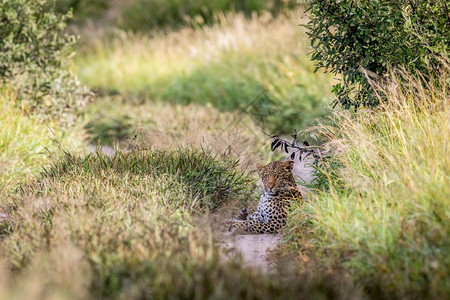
254 226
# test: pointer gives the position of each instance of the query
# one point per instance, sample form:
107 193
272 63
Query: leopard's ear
259 167
288 165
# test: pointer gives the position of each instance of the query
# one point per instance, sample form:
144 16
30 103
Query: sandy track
254 249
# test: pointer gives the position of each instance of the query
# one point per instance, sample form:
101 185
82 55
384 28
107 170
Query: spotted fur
279 192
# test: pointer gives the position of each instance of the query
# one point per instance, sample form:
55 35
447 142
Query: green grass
206 181
258 65
385 216
25 142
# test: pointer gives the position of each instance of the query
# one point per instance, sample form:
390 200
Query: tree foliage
33 52
362 39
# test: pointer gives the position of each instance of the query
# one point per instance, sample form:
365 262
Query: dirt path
255 249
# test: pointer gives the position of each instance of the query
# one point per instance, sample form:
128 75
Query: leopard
280 190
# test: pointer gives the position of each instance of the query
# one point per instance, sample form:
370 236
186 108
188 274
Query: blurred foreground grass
259 66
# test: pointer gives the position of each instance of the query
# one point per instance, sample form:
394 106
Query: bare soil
254 249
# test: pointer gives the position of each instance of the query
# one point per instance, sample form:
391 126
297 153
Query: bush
363 39
33 51
83 9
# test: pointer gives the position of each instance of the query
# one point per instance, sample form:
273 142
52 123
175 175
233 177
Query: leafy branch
296 147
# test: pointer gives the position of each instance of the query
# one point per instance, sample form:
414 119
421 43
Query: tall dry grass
386 214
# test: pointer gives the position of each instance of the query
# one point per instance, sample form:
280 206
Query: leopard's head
277 176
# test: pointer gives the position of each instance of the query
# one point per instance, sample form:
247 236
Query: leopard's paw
243 214
229 224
